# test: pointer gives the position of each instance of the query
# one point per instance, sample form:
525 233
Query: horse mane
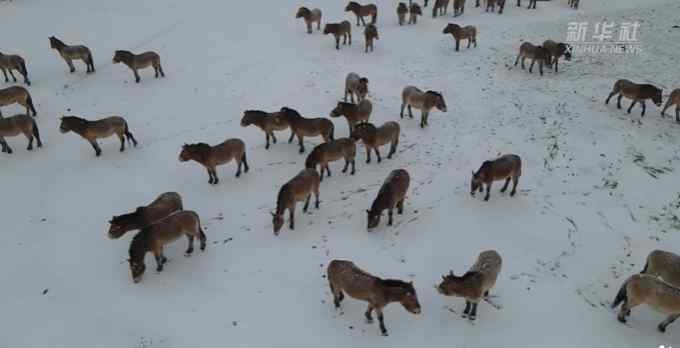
467 276
290 114
255 112
57 42
396 283
123 54
437 94
76 123
137 245
370 127
313 157
127 218
304 11
484 166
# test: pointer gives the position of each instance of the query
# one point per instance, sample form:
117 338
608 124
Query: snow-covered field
588 211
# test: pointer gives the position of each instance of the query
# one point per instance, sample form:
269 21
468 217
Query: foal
653 291
298 189
342 29
93 130
354 113
310 17
307 127
343 148
636 92
361 11
373 138
557 50
355 85
164 205
267 122
414 12
392 195
71 53
462 33
14 62
540 53
346 277
139 61
154 237
508 167
475 284
17 95
371 34
212 156
673 99
15 125
425 101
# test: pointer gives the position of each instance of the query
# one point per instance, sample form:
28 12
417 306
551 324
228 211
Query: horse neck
140 245
284 199
79 126
370 135
392 293
60 45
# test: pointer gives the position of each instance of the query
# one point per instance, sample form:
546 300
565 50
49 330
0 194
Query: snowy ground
588 212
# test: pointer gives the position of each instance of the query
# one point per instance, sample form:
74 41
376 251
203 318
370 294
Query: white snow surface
587 213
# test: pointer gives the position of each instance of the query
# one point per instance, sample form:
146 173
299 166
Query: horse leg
301 143
190 247
368 154
671 318
4 72
677 113
488 191
158 255
540 67
467 309
344 170
273 137
410 112
401 114
644 108
72 68
668 105
457 44
97 150
5 146
137 78
29 136
390 212
316 197
631 105
531 67
400 207
291 212
515 181
309 197
155 70
337 42
469 42
377 153
618 101
505 187
381 320
393 148
266 146
160 69
216 180
12 74
122 142
517 60
369 317
210 176
353 167
473 311
613 93
556 64
238 167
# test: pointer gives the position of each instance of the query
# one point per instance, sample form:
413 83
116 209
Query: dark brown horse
161 207
440 8
506 167
370 34
636 92
557 50
212 156
93 130
307 127
402 11
392 195
339 30
139 61
15 125
298 189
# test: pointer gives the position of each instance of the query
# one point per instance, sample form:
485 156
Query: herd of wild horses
164 220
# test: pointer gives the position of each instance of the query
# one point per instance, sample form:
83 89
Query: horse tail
644 270
129 135
90 60
201 234
621 296
29 102
24 71
331 132
375 17
36 132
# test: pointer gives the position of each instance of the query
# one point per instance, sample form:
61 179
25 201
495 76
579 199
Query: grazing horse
267 122
664 264
414 12
354 113
15 125
462 33
164 205
475 284
298 189
673 99
402 10
371 34
9 62
458 7
655 292
71 53
307 127
636 92
373 138
310 17
425 101
540 53
17 95
139 61
557 50
506 167
342 29
93 130
343 148
361 11
392 195
345 277
440 8
212 156
154 237
355 85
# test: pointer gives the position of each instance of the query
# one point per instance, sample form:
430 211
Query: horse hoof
661 328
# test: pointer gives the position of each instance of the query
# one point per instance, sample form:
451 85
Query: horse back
228 150
664 264
346 276
176 225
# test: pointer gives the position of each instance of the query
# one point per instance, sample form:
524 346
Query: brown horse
307 127
373 138
402 10
506 167
17 95
440 8
540 53
355 85
361 11
653 291
371 34
346 277
343 148
664 264
212 156
154 237
339 30
93 130
462 33
458 7
164 205
139 61
298 189
354 113
673 99
267 122
71 53
636 92
475 284
414 12
532 4
15 125
557 50
425 101
573 4
392 195
491 5
9 62
310 17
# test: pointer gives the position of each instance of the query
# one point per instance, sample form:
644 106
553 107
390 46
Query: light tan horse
354 113
636 92
361 11
15 125
392 195
355 85
164 205
71 53
9 62
310 17
298 189
374 137
506 167
154 237
93 130
339 30
371 34
212 156
462 33
139 61
673 99
425 101
307 127
664 264
652 291
267 122
17 95
535 53
343 148
475 284
345 277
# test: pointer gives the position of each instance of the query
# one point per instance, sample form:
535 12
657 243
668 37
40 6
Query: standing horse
355 85
93 130
354 113
506 167
339 30
392 195
636 92
11 62
425 101
462 33
440 8
71 53
310 17
458 7
298 189
212 156
373 138
371 34
307 127
557 50
17 95
402 10
540 53
361 11
664 264
573 4
267 122
414 12
343 148
673 99
653 291
139 61
164 205
15 125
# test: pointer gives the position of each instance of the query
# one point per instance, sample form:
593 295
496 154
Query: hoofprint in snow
597 193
